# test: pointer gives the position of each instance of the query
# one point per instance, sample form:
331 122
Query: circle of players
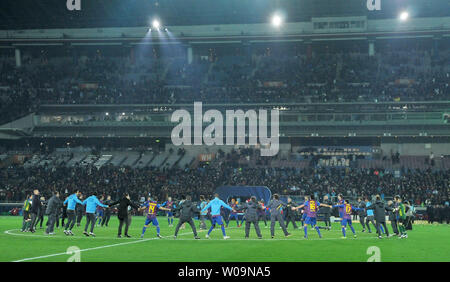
253 211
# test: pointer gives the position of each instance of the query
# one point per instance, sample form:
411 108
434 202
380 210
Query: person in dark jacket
380 215
290 214
430 214
63 215
251 216
447 214
203 215
60 212
122 213
187 210
326 211
106 212
26 223
34 210
362 213
53 206
41 212
79 210
393 215
437 214
275 206
262 213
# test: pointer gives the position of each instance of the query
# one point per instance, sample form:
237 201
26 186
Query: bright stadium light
404 16
276 20
156 24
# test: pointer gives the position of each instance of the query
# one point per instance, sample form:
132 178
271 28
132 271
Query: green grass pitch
425 243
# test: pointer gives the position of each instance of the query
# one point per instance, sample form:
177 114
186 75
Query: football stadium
225 131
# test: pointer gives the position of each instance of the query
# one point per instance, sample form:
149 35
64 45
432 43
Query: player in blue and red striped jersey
150 208
262 212
243 214
233 214
170 205
347 216
312 207
305 211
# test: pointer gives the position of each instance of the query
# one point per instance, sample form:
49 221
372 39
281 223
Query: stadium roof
31 14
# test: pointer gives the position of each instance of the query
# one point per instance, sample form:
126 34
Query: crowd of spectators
419 187
344 77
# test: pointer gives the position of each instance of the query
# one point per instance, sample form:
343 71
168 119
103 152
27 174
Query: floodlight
404 16
276 20
156 24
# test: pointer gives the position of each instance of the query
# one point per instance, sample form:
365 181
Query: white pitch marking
289 239
10 232
96 248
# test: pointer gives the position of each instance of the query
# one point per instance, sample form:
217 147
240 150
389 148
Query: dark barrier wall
260 192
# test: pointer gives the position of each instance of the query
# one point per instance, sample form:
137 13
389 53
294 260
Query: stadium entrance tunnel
260 192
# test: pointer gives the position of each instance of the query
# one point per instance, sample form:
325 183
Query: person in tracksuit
262 213
187 210
53 206
370 218
216 204
393 216
71 203
91 204
326 211
380 215
362 214
275 205
61 211
107 212
251 216
204 214
26 214
79 210
123 213
290 214
40 214
63 215
34 210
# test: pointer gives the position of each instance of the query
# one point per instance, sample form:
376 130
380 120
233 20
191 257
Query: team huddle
252 212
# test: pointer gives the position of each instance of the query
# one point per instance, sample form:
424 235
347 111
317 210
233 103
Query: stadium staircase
159 160
172 160
131 159
145 160
103 160
89 160
166 69
34 161
339 65
76 159
118 158
187 160
209 73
